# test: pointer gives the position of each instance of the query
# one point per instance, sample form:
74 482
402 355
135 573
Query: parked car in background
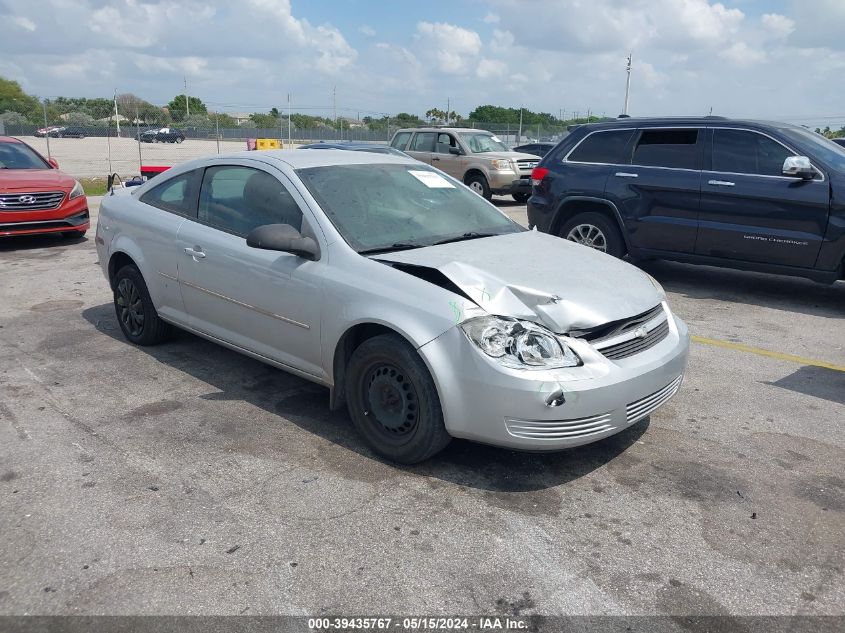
839 141
477 158
745 194
67 132
35 197
421 306
161 135
538 149
375 148
46 131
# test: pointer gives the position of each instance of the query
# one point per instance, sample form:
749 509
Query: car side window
602 147
668 148
745 152
444 142
238 199
177 194
423 142
401 140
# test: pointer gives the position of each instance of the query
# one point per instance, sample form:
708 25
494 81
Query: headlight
501 163
657 286
76 191
519 344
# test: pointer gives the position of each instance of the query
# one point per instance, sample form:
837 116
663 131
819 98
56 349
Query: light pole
627 85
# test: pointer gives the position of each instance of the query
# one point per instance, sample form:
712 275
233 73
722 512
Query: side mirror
53 163
799 167
457 151
284 238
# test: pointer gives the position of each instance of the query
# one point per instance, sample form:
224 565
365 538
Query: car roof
633 122
11 139
349 145
302 160
434 128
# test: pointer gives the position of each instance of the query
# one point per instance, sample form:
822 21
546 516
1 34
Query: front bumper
488 403
72 215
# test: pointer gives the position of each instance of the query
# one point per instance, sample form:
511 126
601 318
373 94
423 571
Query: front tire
478 183
596 231
135 312
393 401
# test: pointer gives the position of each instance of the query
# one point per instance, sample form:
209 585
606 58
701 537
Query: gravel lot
188 479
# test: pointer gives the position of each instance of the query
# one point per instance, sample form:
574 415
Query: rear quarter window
602 147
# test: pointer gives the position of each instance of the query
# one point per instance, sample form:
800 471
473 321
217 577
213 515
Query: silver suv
475 157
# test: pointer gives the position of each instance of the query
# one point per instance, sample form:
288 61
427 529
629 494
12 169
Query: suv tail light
537 175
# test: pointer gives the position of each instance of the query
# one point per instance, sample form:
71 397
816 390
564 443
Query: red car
35 197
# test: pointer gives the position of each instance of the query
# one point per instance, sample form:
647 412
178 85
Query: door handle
625 174
195 254
721 183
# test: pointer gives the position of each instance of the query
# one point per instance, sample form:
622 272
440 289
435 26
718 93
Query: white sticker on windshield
431 179
496 138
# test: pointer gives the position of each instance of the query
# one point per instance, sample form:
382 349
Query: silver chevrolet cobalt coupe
419 304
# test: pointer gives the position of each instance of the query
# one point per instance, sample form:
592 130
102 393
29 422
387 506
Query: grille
636 345
44 200
526 163
639 409
559 429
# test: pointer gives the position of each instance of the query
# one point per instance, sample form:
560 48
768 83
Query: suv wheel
179 139
478 183
596 231
393 401
136 314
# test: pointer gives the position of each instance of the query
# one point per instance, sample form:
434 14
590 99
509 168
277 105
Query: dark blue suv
745 194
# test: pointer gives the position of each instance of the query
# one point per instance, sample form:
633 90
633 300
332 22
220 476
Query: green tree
264 120
14 99
197 121
176 107
10 117
221 119
79 118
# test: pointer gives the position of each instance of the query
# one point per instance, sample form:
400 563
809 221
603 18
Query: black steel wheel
135 312
393 401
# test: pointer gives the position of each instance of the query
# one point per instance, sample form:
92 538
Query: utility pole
216 130
627 84
519 138
290 144
187 107
138 131
334 104
448 104
116 115
46 135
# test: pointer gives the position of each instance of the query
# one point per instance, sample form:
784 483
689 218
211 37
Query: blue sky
757 58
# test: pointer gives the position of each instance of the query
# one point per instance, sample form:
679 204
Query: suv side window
177 195
668 148
602 147
401 140
745 152
423 142
444 142
238 199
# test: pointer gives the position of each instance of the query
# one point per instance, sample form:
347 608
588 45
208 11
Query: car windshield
481 143
19 156
827 150
389 206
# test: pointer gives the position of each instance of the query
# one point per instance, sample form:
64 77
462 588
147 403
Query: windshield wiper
398 246
472 235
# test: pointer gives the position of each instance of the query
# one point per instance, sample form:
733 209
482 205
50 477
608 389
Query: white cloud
492 18
778 25
742 54
491 68
25 23
367 30
453 47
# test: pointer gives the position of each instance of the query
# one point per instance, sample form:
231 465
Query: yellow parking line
764 352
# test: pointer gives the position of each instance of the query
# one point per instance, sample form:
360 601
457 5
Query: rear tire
393 401
179 139
478 183
596 231
135 312
521 197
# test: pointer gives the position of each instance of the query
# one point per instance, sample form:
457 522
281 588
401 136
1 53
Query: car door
267 302
660 190
444 159
163 209
751 212
421 146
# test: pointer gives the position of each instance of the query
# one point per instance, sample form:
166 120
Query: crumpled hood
540 278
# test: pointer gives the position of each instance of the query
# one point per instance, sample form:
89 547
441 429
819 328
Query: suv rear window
668 148
602 147
401 140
